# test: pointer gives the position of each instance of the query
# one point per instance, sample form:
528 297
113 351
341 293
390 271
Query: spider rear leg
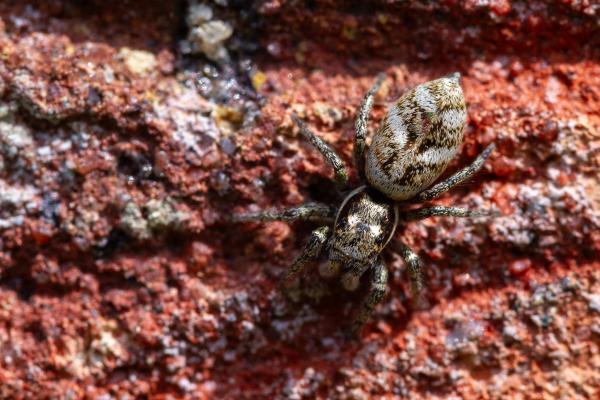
361 126
339 170
312 250
455 179
307 212
440 211
379 280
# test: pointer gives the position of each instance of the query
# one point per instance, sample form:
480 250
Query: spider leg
455 179
306 212
440 211
311 251
379 280
340 174
361 125
415 274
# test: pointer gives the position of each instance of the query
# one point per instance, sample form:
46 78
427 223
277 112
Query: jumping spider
418 138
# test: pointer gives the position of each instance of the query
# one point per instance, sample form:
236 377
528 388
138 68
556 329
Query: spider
416 141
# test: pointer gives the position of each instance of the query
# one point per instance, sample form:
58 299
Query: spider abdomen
418 138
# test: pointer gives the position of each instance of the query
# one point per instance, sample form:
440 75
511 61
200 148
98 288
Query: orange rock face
124 150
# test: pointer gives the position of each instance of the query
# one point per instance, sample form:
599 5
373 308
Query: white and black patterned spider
416 141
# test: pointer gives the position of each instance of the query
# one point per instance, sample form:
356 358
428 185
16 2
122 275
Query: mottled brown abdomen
418 138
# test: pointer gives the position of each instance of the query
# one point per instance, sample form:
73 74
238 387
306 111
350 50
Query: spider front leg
312 250
307 212
415 275
361 126
339 170
455 179
379 279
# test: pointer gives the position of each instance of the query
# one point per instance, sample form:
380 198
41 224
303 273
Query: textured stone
120 277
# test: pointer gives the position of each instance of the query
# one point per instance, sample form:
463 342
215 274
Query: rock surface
123 152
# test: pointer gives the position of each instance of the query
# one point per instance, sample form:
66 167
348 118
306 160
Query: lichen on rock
206 35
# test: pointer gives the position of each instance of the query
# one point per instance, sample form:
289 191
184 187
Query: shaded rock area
130 131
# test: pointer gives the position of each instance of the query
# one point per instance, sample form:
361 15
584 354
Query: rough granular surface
130 133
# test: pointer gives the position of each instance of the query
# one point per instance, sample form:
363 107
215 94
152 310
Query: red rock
519 267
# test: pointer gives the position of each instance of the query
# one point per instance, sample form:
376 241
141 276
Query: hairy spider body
416 141
418 138
364 225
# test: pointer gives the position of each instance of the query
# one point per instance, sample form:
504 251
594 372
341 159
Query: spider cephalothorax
416 141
